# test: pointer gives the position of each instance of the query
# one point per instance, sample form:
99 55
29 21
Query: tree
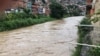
57 10
73 10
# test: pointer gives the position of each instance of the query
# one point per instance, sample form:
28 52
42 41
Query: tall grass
82 31
20 22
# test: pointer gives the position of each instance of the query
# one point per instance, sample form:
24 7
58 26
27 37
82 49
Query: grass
94 51
20 22
82 31
17 20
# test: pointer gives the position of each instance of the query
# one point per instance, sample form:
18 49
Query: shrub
57 10
26 10
14 16
17 20
82 31
73 10
86 29
20 22
95 51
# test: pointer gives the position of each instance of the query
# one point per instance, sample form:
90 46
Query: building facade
11 4
36 6
92 6
88 6
41 7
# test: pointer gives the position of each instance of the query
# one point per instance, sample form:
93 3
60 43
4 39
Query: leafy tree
57 10
52 1
73 10
26 10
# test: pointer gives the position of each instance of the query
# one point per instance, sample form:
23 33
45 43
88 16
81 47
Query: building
92 6
36 6
41 7
88 6
11 4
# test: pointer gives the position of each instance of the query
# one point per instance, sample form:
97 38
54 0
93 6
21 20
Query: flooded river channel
47 39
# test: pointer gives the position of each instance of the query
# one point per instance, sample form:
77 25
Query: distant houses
35 6
41 7
11 5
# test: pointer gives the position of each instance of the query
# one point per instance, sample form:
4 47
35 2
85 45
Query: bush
14 16
95 51
85 29
82 31
57 10
73 10
17 20
20 22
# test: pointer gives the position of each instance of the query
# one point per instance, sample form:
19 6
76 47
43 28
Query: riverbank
83 32
22 22
46 39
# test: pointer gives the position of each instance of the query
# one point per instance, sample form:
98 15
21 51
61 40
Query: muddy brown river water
47 39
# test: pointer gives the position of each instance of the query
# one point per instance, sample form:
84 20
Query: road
47 39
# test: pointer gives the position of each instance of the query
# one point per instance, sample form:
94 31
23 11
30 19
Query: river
46 39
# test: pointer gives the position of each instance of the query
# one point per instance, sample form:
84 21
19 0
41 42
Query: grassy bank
94 51
21 22
82 31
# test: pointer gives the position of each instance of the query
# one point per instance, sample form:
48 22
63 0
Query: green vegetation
21 19
57 10
96 17
17 20
20 22
83 30
13 15
73 10
94 51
